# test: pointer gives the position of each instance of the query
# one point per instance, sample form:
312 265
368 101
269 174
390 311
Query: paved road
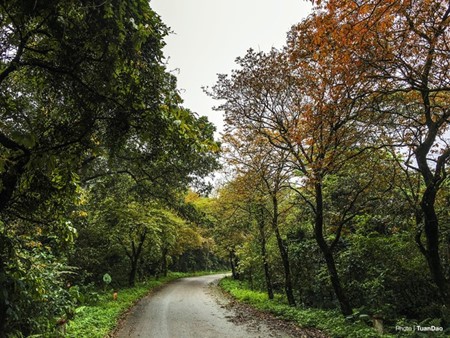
188 308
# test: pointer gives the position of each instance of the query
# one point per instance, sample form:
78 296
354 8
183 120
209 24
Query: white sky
210 34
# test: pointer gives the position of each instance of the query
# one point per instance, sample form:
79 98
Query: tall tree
300 104
230 224
67 80
403 47
70 75
253 156
83 85
145 231
250 203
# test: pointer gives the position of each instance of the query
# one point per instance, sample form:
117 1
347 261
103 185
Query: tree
252 156
229 224
294 100
403 46
83 85
145 231
247 215
198 211
67 80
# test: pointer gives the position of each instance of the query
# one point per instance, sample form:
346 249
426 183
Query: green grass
100 319
328 321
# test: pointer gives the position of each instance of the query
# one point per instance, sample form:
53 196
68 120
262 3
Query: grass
100 319
329 321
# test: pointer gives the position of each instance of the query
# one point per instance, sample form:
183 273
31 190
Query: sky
208 35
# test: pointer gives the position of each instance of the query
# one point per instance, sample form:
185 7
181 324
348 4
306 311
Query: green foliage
129 234
394 287
34 280
68 73
329 321
84 94
398 286
379 264
367 152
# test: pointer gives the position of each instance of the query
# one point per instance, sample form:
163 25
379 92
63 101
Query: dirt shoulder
244 314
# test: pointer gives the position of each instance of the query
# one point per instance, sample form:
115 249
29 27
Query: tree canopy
84 95
358 102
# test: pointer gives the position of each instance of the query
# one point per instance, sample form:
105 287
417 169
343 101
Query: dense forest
97 154
334 161
339 146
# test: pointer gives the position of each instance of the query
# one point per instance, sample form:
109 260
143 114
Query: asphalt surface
189 308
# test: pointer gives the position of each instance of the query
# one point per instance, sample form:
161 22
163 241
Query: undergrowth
329 321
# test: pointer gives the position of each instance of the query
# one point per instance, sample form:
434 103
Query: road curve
187 308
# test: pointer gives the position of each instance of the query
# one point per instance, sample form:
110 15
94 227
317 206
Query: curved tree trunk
427 205
344 304
287 269
134 256
431 227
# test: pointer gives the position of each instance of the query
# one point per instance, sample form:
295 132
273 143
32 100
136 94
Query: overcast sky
210 34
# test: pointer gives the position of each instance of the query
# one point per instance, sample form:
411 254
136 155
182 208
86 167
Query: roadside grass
329 321
101 318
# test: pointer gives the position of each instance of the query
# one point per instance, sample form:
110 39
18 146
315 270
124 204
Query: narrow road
189 308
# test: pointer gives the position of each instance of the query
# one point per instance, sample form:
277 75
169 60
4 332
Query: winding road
190 308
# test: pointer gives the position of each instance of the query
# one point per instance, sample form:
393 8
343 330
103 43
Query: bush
36 291
394 287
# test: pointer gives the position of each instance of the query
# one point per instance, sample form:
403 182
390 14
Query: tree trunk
284 255
234 272
3 300
336 283
267 276
134 256
287 269
344 304
13 169
431 222
431 227
164 262
132 274
264 257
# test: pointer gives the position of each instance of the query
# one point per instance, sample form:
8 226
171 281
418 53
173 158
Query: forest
334 190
